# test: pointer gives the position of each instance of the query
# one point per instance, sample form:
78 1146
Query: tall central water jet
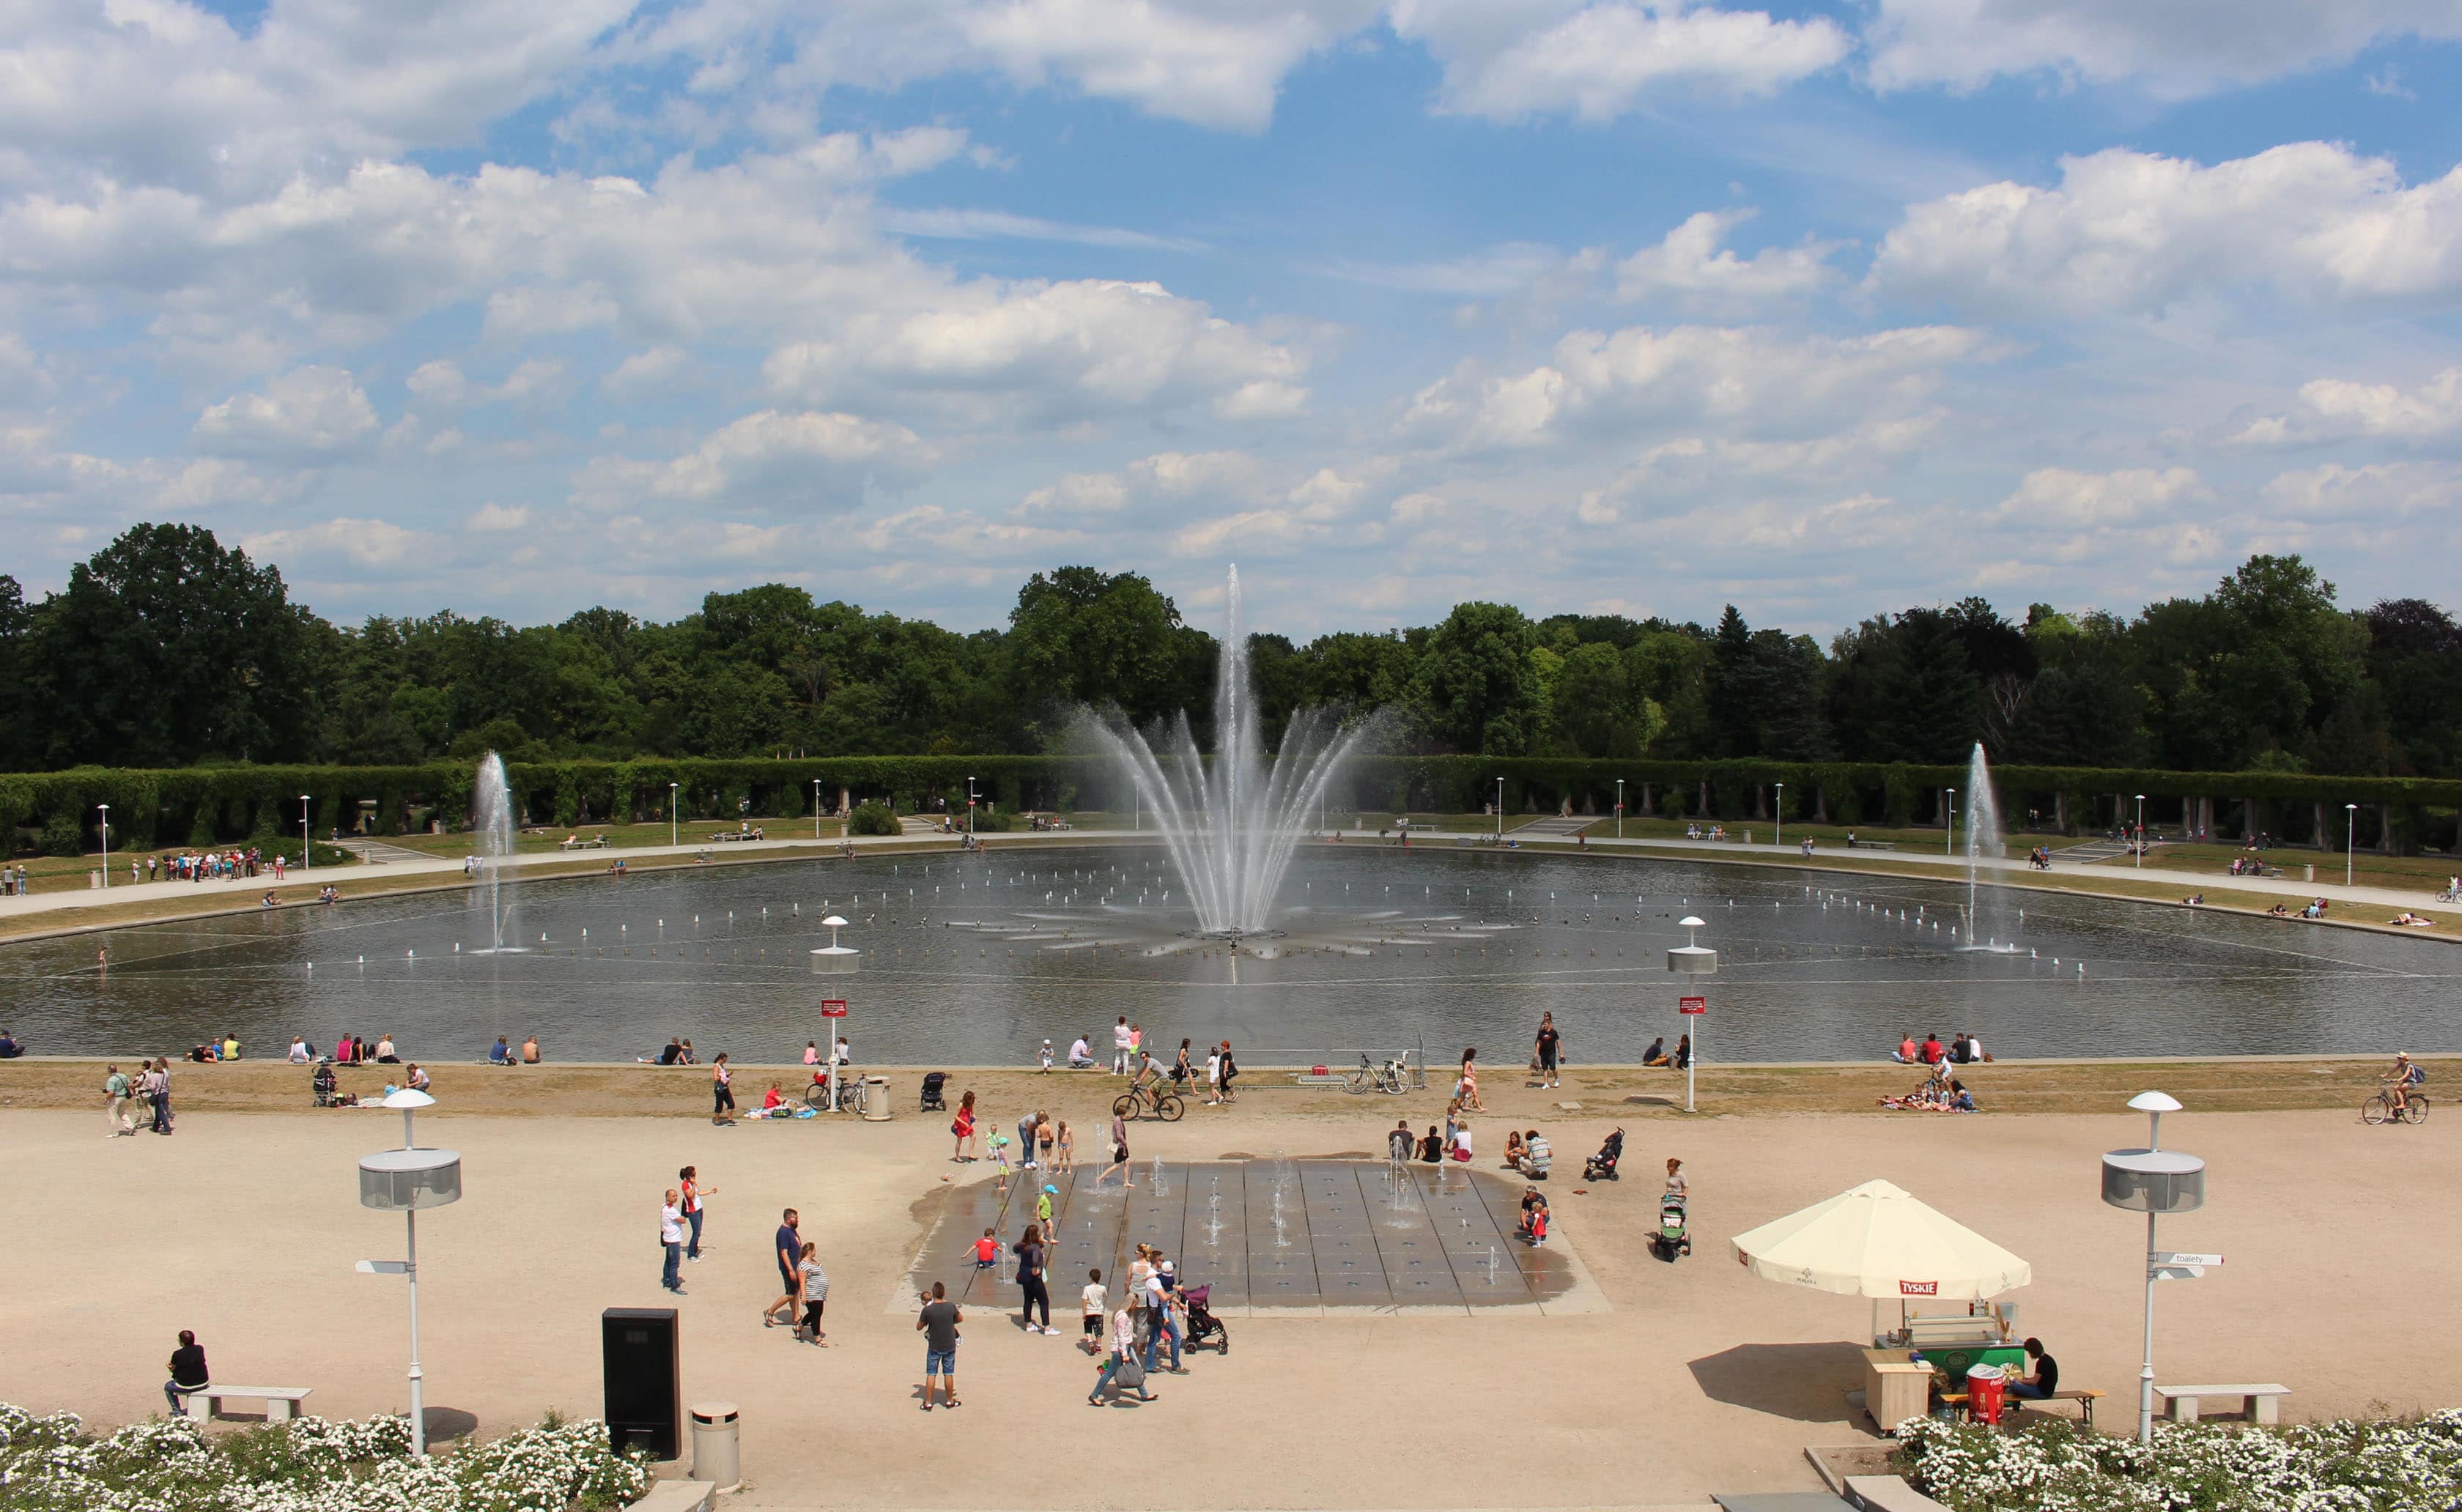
1982 843
1232 824
492 822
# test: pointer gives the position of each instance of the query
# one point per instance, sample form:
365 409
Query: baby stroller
1602 1166
932 1083
1202 1325
1671 1239
323 1084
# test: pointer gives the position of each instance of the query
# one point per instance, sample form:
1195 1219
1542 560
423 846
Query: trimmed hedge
205 805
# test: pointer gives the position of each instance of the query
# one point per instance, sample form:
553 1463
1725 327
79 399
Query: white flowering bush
310 1465
2406 1464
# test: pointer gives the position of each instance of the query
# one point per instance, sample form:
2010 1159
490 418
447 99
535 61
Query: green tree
166 647
1476 684
1081 638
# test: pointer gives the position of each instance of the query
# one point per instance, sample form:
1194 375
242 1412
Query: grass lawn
2372 869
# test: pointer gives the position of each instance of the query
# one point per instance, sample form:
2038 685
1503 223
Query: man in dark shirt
2046 1376
937 1323
787 1247
187 1371
1549 1043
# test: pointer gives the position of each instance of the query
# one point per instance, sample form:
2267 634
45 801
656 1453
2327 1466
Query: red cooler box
1987 1392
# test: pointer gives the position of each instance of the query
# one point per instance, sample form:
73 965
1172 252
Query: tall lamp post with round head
816 808
305 840
1780 810
2350 840
403 1181
2137 841
105 825
2155 1182
1949 823
1692 959
671 813
1619 808
1500 810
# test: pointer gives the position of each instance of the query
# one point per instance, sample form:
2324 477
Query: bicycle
853 1093
1137 1102
1392 1078
2380 1108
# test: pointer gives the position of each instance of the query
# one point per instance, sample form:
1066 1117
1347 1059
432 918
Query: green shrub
872 818
990 821
62 835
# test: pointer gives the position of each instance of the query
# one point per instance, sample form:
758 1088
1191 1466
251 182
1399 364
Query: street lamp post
306 843
1781 813
816 808
2138 839
2153 1181
2350 840
1619 808
1948 822
1500 811
971 807
1692 959
671 813
106 845
403 1181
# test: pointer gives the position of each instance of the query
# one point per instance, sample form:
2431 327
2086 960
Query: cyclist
2399 1080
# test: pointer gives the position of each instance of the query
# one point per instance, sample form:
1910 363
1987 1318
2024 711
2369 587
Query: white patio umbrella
1877 1242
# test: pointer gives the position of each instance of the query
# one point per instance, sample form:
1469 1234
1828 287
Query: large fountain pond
978 960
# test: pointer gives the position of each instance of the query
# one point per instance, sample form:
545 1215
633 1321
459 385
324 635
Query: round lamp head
1687 922
406 1180
408 1097
2155 1103
834 921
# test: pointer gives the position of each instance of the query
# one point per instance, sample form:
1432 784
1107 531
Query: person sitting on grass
1960 1100
1656 1054
1906 1053
500 1053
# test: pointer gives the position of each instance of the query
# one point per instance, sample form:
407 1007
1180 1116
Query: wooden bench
2084 1396
595 842
1873 845
281 1402
2259 1403
731 836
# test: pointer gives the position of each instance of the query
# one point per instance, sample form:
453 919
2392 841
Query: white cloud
1052 353
2173 49
1597 59
2129 231
1745 376
437 385
2338 409
307 414
660 367
2063 497
489 519
2378 491
808 462
1692 262
525 311
367 543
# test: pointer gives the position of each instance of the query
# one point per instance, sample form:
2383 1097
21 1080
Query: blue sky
1590 305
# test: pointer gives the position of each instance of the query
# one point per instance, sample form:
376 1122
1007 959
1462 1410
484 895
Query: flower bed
50 1464
2407 1465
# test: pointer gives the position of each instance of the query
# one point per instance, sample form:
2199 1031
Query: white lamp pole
2350 840
405 1180
1948 822
971 807
1692 959
671 813
1500 810
816 808
2140 836
106 845
1781 813
305 841
1619 808
2155 1182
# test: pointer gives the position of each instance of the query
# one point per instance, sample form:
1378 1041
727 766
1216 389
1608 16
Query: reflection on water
978 960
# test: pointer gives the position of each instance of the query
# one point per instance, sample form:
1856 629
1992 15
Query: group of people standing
151 1086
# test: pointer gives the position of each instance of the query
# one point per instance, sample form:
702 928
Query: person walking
115 1095
693 1193
1230 1073
1549 1045
1120 1365
962 1124
1214 1075
1466 1089
722 1092
158 1093
937 1323
1030 1254
1119 1155
189 1372
814 1288
787 1249
671 1239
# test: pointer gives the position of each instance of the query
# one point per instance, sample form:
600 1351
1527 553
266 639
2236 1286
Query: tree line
167 649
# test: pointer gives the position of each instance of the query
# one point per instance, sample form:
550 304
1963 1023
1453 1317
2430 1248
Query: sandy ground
2340 1241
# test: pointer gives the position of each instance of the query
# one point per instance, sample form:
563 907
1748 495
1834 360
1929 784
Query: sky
1594 305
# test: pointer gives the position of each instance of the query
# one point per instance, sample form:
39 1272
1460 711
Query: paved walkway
396 862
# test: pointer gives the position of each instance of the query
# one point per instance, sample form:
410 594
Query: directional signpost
2168 1266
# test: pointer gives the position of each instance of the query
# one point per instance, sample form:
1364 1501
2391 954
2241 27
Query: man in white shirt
671 1238
1081 1055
